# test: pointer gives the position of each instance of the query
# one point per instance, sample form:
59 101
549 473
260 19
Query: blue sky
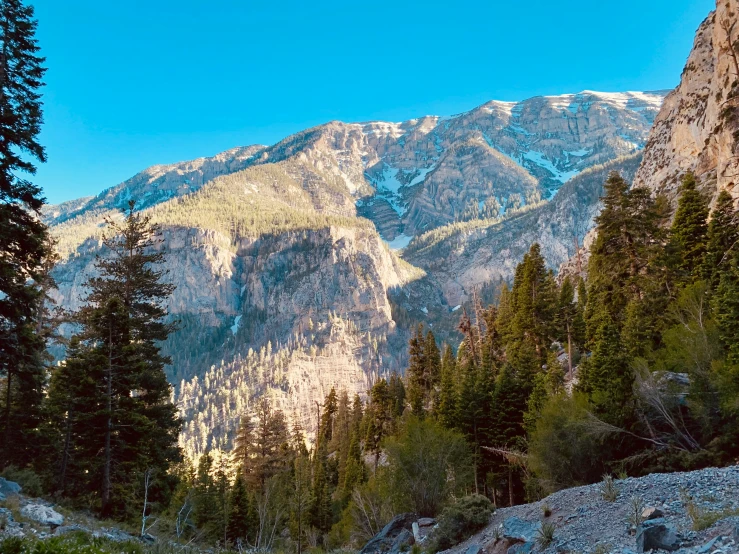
133 83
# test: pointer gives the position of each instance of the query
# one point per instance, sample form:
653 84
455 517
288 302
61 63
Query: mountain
697 128
306 264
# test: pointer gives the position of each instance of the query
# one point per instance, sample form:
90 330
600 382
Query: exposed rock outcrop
697 127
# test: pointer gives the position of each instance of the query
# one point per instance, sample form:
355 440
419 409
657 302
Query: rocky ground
689 513
21 516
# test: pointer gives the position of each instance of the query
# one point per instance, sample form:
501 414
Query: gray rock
9 488
74 528
651 512
521 548
474 549
42 514
520 530
402 542
393 536
708 547
426 522
416 532
656 536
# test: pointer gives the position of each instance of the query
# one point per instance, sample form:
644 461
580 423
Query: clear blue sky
133 83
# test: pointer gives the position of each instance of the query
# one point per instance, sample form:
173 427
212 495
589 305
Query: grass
608 489
545 535
636 508
546 510
701 518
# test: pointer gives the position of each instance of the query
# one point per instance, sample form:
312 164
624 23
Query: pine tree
726 308
688 235
300 503
205 502
330 406
122 324
238 513
24 238
432 359
567 314
722 239
416 374
269 447
446 412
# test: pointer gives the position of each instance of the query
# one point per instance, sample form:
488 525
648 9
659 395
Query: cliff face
287 282
697 128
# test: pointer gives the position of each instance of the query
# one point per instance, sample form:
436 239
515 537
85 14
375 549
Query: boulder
656 536
393 536
8 488
650 512
426 522
517 529
521 548
42 514
473 549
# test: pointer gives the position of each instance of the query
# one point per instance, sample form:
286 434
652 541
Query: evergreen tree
446 411
688 235
301 500
205 500
270 446
726 308
416 374
567 314
432 358
238 514
24 238
722 238
122 325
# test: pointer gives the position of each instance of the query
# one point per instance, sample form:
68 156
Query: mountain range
307 264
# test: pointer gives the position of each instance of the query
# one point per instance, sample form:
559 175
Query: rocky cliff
697 128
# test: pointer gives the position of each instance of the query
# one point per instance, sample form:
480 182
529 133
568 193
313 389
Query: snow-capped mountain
304 265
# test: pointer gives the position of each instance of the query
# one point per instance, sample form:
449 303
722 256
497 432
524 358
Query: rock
521 548
708 547
655 537
651 512
402 542
9 488
474 549
74 528
519 530
147 538
42 514
426 522
416 532
393 536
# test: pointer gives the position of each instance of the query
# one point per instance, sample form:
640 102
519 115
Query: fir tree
722 238
688 235
416 374
446 411
238 523
122 325
24 238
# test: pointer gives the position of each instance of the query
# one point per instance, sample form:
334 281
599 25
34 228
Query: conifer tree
722 238
446 410
416 374
121 328
238 513
567 314
688 235
23 236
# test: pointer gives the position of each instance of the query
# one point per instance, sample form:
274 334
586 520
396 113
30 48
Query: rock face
395 537
285 257
696 129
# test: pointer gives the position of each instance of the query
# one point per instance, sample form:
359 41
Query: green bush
428 464
26 478
460 521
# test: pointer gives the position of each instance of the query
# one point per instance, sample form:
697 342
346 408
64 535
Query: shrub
26 478
427 465
608 489
636 508
562 451
460 521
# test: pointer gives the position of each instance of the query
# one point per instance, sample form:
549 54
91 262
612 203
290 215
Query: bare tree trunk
6 439
144 517
65 454
569 350
510 486
109 424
